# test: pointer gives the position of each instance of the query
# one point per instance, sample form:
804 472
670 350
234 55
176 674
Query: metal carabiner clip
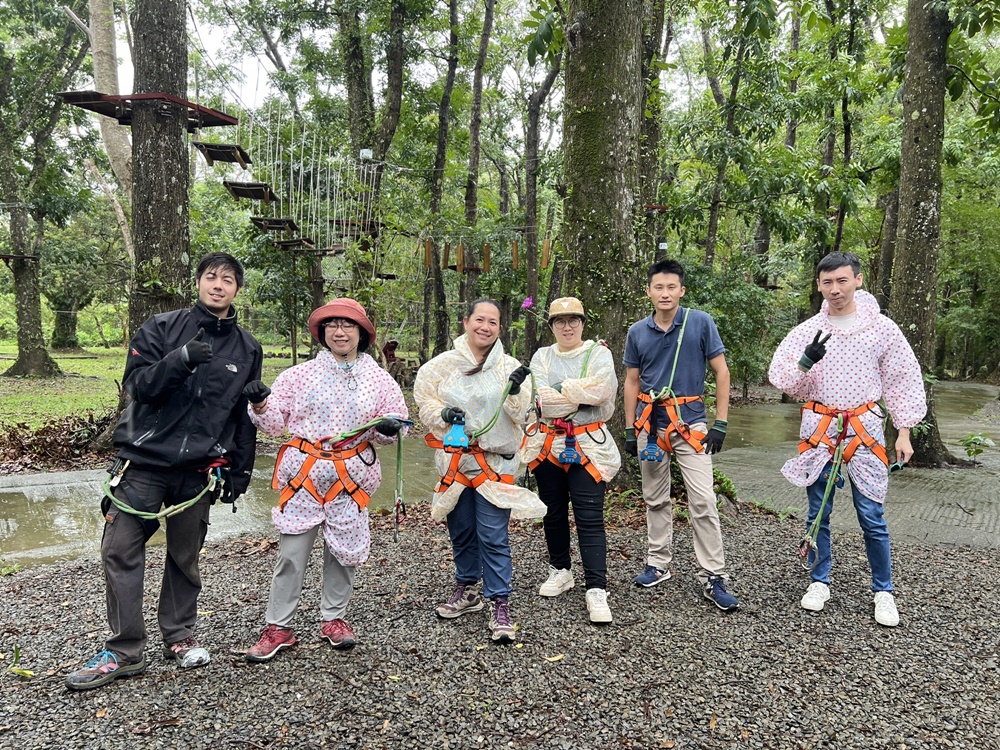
805 549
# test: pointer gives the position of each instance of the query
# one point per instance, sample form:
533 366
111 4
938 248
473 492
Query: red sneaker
338 633
272 640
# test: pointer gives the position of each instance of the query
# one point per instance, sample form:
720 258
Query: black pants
558 488
123 551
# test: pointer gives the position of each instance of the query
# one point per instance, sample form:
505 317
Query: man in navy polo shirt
665 358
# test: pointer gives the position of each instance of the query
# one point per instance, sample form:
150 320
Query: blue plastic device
456 437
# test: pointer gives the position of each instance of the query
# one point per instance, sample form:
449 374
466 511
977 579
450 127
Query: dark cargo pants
123 551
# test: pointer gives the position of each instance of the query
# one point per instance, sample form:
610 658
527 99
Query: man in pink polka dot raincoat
847 359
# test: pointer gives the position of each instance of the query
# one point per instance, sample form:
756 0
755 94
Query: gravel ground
671 672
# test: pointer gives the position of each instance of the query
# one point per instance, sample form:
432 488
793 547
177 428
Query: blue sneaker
652 576
715 590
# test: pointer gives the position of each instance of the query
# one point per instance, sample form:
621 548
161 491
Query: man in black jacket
186 434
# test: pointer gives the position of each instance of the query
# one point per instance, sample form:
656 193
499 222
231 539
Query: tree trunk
913 304
475 127
531 148
105 56
64 332
442 339
654 49
887 250
160 176
601 125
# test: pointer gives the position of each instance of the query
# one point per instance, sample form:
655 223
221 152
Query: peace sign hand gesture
815 351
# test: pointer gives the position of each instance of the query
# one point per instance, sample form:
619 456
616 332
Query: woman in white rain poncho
577 388
477 495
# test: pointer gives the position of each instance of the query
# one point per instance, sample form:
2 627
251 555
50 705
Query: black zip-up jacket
179 418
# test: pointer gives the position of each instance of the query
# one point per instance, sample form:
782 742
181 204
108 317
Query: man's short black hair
223 261
665 266
833 261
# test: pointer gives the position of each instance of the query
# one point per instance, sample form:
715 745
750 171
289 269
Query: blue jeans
480 544
873 526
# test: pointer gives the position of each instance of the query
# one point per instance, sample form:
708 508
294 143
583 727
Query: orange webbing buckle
676 424
851 417
546 454
453 475
315 452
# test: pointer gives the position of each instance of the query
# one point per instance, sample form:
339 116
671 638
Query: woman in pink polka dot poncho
846 359
338 391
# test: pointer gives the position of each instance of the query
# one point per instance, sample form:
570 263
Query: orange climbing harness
453 475
851 418
316 452
675 424
554 431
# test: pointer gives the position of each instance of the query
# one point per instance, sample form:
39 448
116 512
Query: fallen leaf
713 722
394 677
206 612
385 725
480 648
667 744
557 657
414 696
518 645
101 713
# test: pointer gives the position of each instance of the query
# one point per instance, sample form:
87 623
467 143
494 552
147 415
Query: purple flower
528 302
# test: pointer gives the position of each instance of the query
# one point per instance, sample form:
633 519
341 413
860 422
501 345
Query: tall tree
601 124
913 304
116 141
160 163
41 61
475 129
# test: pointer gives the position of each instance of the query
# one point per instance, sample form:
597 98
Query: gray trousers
290 572
696 468
123 551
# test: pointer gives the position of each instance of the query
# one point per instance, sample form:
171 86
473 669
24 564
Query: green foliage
13 667
545 39
8 569
975 445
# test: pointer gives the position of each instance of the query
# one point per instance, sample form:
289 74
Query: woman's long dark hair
468 314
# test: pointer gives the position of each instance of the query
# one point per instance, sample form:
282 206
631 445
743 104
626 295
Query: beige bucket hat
566 306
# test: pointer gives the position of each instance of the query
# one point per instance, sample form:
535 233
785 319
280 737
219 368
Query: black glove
197 351
452 414
713 440
256 392
815 351
516 378
631 442
225 492
389 426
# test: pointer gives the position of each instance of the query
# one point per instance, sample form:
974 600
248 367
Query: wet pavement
54 516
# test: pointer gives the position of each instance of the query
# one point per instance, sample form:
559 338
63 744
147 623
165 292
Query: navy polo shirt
651 349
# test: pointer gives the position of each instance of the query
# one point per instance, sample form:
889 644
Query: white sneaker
560 580
816 596
597 606
885 609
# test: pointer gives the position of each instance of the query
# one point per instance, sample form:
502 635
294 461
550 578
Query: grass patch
89 385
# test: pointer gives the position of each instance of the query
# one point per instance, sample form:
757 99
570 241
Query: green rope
810 541
167 512
668 390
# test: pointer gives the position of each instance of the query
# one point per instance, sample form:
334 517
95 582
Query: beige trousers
696 468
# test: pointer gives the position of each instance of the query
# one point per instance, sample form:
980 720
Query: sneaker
652 576
188 652
464 599
560 580
597 606
885 609
816 596
338 633
272 640
501 624
102 669
715 590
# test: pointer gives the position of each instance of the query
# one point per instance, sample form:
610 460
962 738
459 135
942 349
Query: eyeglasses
568 322
345 325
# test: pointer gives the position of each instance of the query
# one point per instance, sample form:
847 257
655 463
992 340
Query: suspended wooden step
333 250
295 243
231 153
275 223
352 228
473 269
255 191
386 276
120 107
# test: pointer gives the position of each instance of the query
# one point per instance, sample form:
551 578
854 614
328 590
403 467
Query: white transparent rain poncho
589 397
442 382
